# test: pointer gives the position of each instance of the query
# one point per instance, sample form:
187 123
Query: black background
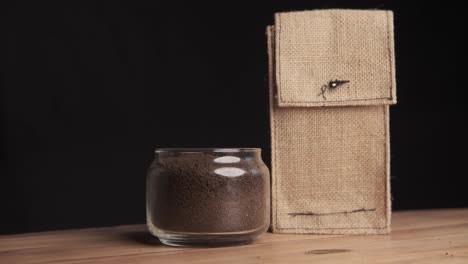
89 90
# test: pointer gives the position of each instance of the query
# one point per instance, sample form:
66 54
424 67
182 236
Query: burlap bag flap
335 57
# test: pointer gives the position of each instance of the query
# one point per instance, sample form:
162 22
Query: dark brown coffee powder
189 194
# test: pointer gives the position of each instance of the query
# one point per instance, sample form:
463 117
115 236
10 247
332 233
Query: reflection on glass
230 172
227 159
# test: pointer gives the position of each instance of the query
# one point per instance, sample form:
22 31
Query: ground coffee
192 194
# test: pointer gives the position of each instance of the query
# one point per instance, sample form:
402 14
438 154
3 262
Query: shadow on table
141 237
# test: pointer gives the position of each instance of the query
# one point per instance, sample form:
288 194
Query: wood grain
429 236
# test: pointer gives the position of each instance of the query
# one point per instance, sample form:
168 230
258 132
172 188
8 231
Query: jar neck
241 153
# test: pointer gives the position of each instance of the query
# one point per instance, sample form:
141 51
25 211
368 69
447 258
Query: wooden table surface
428 236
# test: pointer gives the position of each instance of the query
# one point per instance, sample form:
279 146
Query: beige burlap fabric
331 81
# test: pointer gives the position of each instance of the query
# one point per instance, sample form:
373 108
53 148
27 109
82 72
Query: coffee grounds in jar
189 196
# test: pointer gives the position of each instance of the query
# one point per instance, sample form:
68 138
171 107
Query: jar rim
204 150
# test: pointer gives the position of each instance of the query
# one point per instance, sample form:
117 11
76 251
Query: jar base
200 243
206 240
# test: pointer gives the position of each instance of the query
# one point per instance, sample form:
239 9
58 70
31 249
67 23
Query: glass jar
208 197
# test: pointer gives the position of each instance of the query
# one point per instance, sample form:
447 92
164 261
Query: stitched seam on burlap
337 101
386 157
279 89
319 228
276 181
385 161
389 56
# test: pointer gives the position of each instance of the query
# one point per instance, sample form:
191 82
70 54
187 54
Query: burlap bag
331 80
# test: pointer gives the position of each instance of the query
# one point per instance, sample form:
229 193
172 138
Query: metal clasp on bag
331 85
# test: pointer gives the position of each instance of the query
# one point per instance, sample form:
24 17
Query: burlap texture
330 165
314 47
